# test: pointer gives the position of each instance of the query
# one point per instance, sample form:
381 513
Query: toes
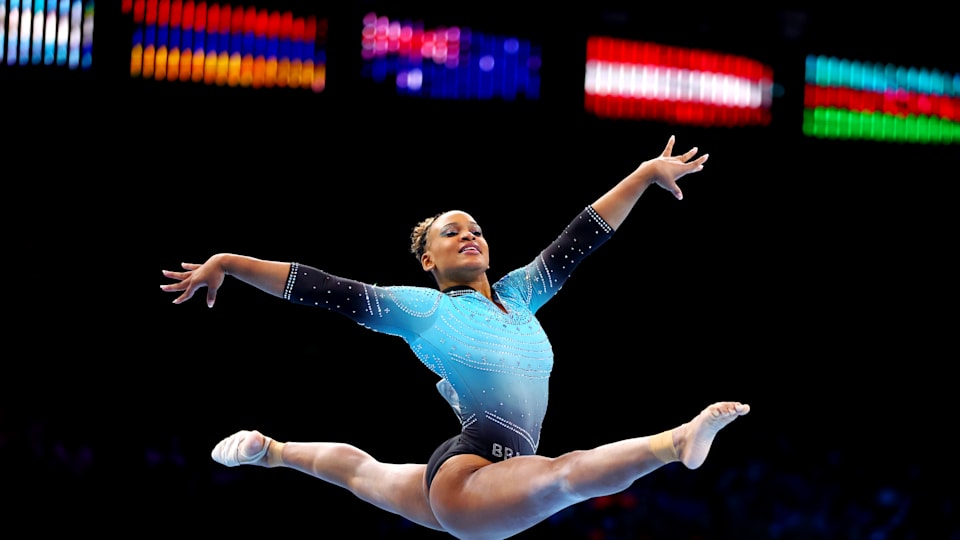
252 451
228 452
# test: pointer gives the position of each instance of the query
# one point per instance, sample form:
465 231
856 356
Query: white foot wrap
227 452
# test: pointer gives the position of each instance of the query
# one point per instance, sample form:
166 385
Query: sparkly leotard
494 366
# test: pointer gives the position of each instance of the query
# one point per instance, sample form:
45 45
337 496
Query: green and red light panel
649 81
47 32
225 45
848 99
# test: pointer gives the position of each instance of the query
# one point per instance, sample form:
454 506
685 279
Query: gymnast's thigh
471 495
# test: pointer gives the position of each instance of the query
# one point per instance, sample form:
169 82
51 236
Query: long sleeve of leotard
397 310
542 278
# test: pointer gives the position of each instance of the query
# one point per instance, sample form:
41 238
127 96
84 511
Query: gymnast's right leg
396 488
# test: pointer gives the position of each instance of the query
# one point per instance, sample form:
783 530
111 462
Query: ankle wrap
661 445
274 453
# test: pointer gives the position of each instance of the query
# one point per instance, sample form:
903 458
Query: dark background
810 278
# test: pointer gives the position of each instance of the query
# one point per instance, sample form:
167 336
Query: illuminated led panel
847 99
449 62
47 32
226 45
641 80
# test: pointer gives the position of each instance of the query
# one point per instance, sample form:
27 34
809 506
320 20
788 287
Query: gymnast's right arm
268 276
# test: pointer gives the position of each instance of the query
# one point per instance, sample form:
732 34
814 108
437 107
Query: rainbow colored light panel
449 62
648 81
847 99
224 45
47 32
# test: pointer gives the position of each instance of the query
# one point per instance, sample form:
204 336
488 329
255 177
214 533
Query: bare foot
693 439
242 448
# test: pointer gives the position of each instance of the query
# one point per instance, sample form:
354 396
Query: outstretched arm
663 170
268 276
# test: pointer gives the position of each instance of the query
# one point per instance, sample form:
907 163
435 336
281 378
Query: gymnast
493 360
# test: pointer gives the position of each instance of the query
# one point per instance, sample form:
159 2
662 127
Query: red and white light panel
648 81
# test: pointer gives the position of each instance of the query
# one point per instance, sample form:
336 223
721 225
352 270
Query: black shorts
453 446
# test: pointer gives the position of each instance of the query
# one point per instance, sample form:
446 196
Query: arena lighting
47 32
641 80
848 99
219 44
449 62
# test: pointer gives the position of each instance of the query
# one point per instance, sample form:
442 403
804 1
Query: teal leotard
494 366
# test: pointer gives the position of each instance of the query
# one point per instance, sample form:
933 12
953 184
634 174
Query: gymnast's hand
665 169
209 274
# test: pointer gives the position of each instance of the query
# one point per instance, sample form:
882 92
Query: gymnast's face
456 249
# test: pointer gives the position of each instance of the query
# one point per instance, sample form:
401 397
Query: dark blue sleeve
540 280
403 311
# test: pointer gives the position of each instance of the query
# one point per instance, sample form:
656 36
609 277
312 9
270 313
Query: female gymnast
493 360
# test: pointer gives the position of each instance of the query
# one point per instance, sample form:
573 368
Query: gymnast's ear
427 262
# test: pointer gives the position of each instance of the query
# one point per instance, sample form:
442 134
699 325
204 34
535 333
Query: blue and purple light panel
847 99
225 45
47 32
648 81
449 62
